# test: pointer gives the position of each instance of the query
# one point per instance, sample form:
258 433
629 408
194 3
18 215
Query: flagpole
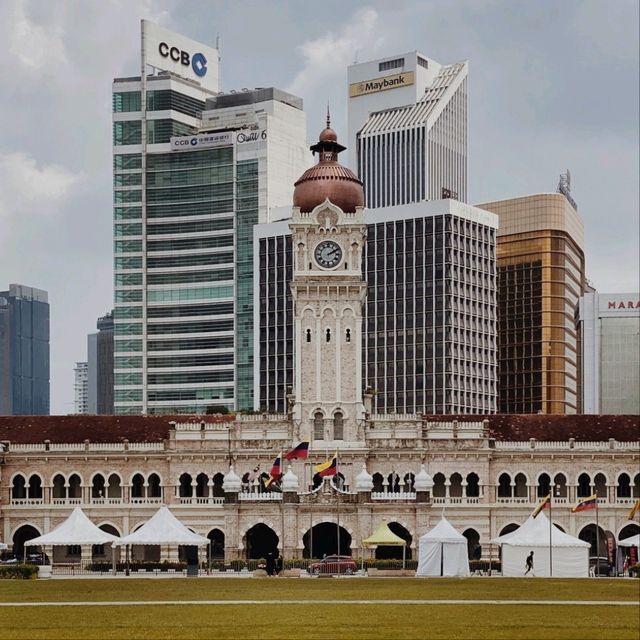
310 513
338 503
597 571
550 532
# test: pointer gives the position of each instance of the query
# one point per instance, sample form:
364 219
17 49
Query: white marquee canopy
443 552
570 555
163 528
77 529
633 541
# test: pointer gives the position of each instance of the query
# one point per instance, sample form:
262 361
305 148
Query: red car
334 564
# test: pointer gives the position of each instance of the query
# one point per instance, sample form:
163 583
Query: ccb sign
197 61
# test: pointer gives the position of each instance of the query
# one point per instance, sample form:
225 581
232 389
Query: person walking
271 565
529 564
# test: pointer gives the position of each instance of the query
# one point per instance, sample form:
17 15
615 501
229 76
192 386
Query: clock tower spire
328 289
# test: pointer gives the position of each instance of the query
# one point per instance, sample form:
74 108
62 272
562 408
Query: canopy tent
77 529
443 552
163 529
633 541
570 555
384 537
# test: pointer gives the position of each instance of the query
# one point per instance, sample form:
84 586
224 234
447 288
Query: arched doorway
628 531
474 550
590 534
217 544
259 541
23 534
103 552
385 553
325 541
508 529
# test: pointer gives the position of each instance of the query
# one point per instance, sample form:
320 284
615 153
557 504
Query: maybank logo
381 84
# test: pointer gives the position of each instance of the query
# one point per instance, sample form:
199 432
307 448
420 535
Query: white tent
163 529
77 529
633 541
570 555
443 552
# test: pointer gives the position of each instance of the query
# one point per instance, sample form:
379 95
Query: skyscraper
100 367
81 388
24 351
540 281
195 169
408 129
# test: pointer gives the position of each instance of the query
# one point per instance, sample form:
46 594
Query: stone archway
259 541
474 549
325 541
23 534
589 534
217 544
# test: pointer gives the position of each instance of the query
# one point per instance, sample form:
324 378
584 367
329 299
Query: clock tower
328 235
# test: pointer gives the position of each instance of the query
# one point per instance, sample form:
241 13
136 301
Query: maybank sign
375 85
202 141
169 51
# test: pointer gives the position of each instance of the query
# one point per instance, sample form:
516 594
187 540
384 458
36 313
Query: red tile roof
69 429
554 427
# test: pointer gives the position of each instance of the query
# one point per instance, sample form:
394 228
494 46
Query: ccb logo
198 61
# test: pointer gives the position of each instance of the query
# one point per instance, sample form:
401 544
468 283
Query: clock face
328 254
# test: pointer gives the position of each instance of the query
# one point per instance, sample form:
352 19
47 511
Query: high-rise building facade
81 388
100 367
187 194
24 351
610 333
430 326
408 129
540 280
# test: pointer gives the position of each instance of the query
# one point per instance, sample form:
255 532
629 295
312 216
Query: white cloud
327 57
36 46
29 189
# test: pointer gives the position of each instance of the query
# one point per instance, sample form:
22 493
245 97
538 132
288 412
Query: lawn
314 620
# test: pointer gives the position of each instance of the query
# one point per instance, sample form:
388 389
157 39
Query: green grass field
315 620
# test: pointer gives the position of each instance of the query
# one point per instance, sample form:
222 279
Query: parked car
9 560
334 564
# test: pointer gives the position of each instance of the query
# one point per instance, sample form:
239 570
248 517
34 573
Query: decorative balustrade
26 502
66 501
201 501
259 496
144 501
513 500
105 501
393 495
457 500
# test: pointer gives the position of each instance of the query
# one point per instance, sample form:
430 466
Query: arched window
308 335
600 483
473 485
318 426
636 486
544 484
455 488
584 485
35 487
19 488
114 490
202 485
59 490
520 490
75 486
394 482
97 486
409 482
338 426
328 335
137 486
560 485
504 486
377 482
439 490
218 481
348 335
185 490
623 490
154 489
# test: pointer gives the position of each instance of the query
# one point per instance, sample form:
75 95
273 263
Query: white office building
194 170
407 118
81 388
610 327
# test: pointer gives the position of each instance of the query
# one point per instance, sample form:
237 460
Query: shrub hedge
18 572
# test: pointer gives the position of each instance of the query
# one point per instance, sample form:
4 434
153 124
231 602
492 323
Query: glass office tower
24 351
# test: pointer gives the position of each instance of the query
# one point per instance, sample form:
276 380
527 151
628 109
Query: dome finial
328 116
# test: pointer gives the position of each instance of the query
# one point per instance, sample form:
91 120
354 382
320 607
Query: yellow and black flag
545 504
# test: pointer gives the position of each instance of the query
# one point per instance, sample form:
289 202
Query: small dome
364 481
328 179
231 481
423 481
290 480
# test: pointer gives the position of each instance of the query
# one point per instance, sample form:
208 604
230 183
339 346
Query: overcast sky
553 85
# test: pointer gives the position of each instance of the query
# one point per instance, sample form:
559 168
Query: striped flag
328 468
276 471
586 503
545 504
634 509
299 451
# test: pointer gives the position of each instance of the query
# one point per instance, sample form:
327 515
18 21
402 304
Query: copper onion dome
328 179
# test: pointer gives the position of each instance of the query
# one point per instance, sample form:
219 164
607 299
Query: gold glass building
540 261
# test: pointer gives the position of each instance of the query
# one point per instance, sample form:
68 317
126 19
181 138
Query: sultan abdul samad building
487 472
